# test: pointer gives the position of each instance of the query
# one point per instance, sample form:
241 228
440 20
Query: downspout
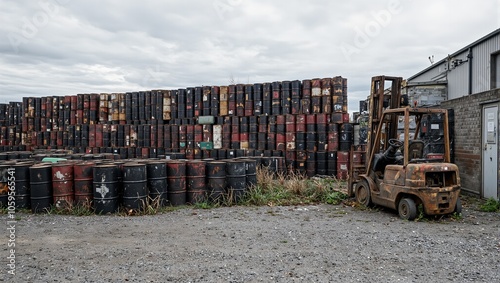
469 58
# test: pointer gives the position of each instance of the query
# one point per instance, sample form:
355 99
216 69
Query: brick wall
468 149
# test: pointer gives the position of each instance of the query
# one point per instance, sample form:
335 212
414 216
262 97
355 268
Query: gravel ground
324 243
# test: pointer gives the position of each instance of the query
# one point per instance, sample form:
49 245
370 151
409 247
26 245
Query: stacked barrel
304 122
11 129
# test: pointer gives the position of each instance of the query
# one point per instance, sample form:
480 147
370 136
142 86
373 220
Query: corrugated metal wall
430 75
458 76
481 64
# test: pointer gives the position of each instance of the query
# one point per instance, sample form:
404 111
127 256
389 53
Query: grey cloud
114 46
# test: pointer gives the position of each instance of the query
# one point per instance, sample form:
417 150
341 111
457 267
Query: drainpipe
469 58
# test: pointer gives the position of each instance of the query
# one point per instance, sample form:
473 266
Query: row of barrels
11 114
310 163
286 97
292 132
46 121
129 183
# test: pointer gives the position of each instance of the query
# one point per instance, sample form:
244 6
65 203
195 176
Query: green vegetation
491 205
293 189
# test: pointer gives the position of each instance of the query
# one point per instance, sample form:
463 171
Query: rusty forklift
398 173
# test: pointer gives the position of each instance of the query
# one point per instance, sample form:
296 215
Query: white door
490 151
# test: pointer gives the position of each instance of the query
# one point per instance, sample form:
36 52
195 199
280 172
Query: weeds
421 214
272 189
491 205
293 189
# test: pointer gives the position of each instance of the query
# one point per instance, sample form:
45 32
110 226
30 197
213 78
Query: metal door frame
483 142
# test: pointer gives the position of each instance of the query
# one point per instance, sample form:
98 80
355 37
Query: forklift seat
415 149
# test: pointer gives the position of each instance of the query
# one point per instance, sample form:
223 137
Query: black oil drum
135 189
157 182
216 179
22 184
346 137
41 187
236 179
106 188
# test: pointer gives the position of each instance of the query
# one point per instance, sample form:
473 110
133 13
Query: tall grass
273 189
293 189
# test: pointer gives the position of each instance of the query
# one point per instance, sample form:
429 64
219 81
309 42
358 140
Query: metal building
468 81
472 69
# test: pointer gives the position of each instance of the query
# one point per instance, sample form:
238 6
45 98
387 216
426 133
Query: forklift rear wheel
458 206
363 193
407 209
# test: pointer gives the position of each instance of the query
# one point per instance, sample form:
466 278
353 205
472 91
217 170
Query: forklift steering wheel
395 143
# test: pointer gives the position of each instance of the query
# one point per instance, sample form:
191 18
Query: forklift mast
380 99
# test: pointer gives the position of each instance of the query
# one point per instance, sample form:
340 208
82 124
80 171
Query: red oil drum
176 177
82 173
62 184
342 165
196 184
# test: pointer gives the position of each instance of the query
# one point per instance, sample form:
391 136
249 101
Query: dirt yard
325 243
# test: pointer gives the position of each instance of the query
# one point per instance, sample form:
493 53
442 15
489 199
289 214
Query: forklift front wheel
407 209
458 206
363 193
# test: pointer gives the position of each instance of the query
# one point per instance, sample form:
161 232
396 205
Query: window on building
495 70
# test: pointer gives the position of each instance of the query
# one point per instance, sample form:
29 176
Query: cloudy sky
61 47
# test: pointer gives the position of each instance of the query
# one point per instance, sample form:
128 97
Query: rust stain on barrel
62 183
83 182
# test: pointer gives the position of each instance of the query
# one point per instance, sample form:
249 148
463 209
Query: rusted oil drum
300 141
41 187
337 118
62 184
135 189
332 163
321 163
310 123
342 165
196 184
311 164
106 188
346 137
22 183
82 176
25 155
345 117
13 155
290 158
358 159
300 164
333 137
311 142
251 172
274 163
236 179
216 179
4 183
176 177
157 182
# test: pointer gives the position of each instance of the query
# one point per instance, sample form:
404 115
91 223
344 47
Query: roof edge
484 38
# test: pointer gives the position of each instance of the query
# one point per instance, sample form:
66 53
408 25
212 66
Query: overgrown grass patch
293 189
491 205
